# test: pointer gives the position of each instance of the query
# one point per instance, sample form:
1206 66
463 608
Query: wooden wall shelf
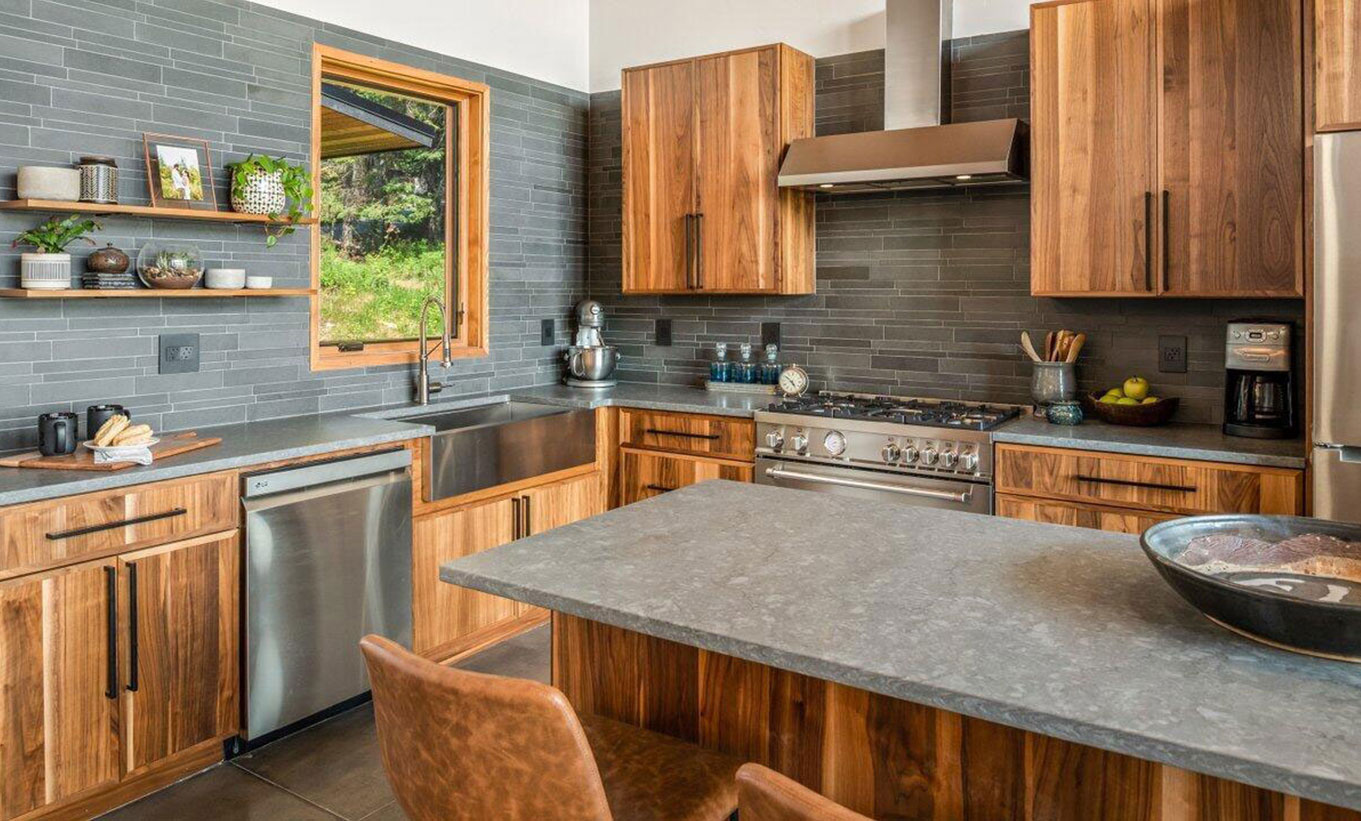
151 293
57 206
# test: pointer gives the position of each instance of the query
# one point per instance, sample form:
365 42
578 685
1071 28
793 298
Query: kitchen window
400 167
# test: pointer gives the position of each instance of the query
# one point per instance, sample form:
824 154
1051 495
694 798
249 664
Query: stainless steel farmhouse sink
489 445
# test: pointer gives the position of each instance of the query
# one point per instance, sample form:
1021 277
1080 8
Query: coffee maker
1259 391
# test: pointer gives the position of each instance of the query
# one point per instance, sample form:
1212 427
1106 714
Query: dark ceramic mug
57 433
97 415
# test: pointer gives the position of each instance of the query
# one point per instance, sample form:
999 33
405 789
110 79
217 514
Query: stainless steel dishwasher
328 560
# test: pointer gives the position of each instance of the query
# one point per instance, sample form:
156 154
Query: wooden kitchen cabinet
58 695
644 474
720 436
1114 519
1167 148
702 143
1337 65
180 688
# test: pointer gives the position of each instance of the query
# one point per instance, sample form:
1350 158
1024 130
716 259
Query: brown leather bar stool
765 795
458 744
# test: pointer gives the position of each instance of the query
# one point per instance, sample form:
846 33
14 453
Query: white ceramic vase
263 193
45 272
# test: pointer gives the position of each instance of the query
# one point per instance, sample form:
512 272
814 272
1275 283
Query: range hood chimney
920 148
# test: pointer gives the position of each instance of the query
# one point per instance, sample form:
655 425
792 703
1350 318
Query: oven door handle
780 472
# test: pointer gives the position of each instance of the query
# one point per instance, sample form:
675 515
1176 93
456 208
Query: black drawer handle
1128 483
132 627
659 488
658 432
111 637
136 520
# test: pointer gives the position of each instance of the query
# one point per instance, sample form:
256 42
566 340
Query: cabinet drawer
722 436
644 475
1114 519
1167 485
62 531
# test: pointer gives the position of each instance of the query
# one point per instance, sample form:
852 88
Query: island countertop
1055 630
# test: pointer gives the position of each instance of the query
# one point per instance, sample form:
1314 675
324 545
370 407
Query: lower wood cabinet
644 474
444 616
1063 513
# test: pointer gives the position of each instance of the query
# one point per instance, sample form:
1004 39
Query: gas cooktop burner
903 411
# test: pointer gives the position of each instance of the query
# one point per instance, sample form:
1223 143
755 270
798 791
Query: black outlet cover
770 334
179 353
1172 354
547 332
664 332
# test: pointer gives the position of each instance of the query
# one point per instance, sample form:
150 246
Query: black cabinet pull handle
136 520
1130 483
689 250
525 508
699 251
681 433
515 517
111 637
659 488
1167 240
132 627
1148 240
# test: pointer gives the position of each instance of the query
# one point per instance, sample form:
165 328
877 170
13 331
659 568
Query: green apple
1116 392
1149 400
1127 400
1136 387
1110 399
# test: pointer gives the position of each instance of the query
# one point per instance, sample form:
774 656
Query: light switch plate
547 332
770 334
179 353
1172 354
664 333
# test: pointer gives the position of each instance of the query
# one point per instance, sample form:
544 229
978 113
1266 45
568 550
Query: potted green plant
50 268
267 185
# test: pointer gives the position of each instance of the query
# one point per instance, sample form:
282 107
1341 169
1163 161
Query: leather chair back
458 744
765 795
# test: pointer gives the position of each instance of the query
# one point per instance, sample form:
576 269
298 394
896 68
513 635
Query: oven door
864 483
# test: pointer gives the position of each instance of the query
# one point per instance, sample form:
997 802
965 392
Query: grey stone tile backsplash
919 293
82 77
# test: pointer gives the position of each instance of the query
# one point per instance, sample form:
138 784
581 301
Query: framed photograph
179 172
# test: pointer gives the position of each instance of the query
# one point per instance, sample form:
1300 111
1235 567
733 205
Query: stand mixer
590 362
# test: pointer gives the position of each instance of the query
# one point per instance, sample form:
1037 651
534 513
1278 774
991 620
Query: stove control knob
775 440
834 442
800 443
891 452
968 460
910 454
929 455
948 458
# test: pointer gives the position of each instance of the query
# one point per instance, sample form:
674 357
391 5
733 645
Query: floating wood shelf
151 293
103 209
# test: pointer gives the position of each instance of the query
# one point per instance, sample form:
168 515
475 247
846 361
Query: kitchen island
925 664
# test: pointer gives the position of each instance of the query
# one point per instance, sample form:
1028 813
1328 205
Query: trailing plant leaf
297 184
53 236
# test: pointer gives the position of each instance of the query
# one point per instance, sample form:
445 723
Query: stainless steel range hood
918 150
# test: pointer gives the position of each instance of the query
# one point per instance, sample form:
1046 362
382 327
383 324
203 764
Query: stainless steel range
924 452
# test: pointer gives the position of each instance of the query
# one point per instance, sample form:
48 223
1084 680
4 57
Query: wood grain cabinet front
702 144
1167 148
1337 65
644 474
720 436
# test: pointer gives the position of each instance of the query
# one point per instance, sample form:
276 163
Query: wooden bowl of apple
1132 403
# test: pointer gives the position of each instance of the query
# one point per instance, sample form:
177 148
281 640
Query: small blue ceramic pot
1065 413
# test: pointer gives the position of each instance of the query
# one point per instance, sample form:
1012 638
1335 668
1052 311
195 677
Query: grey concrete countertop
1174 441
245 444
1057 630
678 398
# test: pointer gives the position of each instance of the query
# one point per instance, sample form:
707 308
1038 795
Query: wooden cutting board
84 459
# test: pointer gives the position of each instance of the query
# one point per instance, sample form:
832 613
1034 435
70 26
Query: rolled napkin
141 454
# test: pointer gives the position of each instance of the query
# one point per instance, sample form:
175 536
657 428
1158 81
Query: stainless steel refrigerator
1337 327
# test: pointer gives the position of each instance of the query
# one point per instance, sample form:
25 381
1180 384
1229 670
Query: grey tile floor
328 771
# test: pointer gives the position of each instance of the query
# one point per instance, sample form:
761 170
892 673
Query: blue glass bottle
720 370
746 367
770 369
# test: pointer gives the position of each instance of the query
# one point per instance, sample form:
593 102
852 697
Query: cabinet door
1232 148
739 150
1337 65
559 504
1096 518
659 176
183 622
58 699
644 475
1092 148
441 612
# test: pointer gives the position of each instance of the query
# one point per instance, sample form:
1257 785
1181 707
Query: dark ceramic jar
108 260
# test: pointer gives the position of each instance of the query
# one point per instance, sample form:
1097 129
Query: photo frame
179 172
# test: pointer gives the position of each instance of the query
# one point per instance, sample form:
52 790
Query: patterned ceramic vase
263 193
1065 413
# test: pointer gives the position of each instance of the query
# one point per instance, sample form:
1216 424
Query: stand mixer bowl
592 364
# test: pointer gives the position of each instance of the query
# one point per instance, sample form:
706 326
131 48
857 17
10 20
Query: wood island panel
881 756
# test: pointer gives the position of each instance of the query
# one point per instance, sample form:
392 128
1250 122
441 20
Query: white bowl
225 278
259 282
40 182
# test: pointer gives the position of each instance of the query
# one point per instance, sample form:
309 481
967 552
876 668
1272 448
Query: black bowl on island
1287 581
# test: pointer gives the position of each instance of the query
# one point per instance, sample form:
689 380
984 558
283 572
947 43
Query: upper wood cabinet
1337 65
702 144
1167 148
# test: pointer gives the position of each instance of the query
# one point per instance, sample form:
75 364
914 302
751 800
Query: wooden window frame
466 230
